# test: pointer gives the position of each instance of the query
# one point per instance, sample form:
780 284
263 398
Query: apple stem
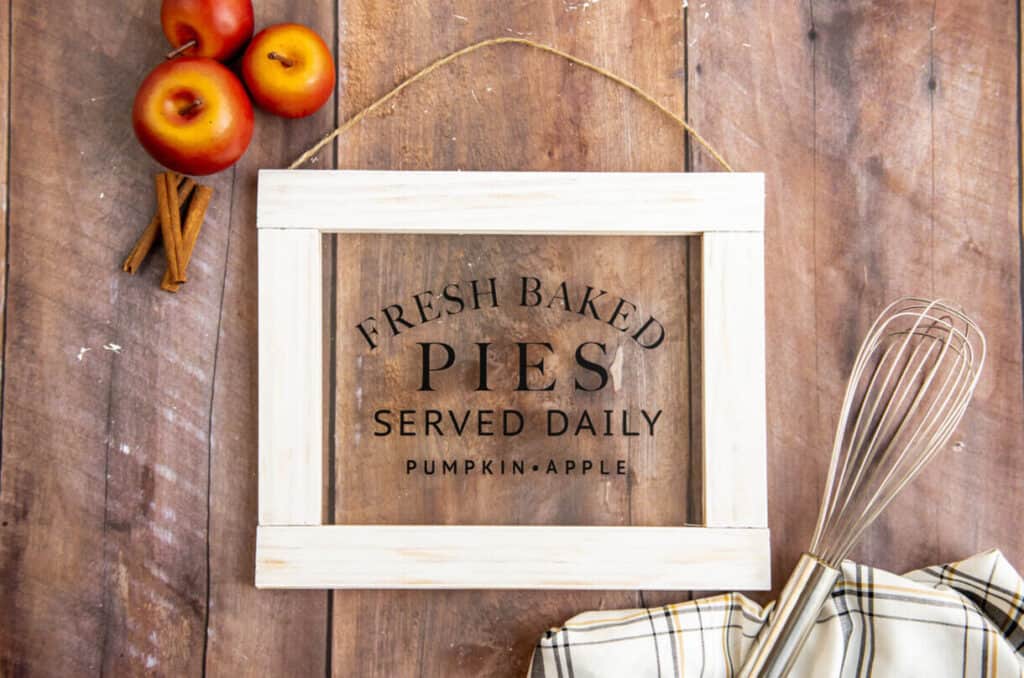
285 61
184 48
196 103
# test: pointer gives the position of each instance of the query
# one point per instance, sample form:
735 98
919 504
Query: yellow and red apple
289 70
220 28
193 116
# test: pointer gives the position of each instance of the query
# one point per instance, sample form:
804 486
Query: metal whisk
909 387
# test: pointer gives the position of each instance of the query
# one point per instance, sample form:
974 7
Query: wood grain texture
732 361
251 632
504 203
6 50
931 205
510 557
105 489
502 109
750 89
290 377
807 93
882 145
106 408
973 256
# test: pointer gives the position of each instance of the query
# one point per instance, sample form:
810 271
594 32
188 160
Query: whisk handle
799 604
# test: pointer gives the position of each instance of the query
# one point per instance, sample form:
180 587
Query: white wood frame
295 550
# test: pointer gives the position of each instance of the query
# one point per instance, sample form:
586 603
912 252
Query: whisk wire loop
910 384
909 387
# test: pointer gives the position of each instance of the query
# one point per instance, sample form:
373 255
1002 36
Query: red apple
219 27
193 116
289 70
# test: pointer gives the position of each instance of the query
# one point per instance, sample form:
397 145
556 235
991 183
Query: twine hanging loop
445 60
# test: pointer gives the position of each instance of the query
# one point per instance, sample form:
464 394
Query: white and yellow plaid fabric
963 619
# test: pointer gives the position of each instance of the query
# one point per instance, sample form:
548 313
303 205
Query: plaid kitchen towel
963 619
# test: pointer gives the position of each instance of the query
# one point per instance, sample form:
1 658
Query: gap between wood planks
7 32
209 417
332 376
1020 161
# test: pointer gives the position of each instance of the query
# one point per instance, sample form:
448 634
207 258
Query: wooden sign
487 362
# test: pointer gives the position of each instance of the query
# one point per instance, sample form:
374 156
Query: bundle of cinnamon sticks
173 193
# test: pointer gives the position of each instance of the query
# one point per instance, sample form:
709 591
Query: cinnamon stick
147 239
190 233
178 272
168 230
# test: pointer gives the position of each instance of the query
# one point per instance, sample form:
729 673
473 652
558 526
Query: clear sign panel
512 380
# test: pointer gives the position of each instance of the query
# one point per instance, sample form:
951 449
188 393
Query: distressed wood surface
889 138
106 404
113 558
6 50
888 174
251 632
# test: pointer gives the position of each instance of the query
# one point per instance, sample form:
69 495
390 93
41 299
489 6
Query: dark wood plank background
890 138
